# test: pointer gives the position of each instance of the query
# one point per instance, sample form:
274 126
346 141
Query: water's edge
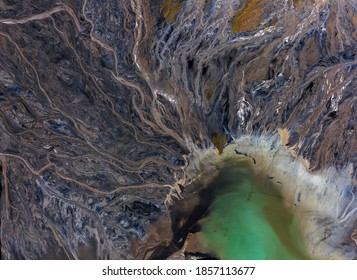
322 203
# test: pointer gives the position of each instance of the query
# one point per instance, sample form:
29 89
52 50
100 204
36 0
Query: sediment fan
110 110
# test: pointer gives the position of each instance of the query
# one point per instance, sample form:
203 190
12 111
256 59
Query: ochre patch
170 8
249 16
219 140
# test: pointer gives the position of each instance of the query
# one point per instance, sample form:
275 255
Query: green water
248 219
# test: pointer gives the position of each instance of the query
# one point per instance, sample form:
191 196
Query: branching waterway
107 108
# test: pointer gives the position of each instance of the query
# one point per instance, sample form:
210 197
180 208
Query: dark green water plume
248 219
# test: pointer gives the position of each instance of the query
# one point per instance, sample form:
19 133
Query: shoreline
323 201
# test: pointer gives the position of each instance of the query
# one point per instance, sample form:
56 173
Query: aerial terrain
178 129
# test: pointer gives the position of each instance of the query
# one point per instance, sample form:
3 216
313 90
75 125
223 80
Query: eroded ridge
101 102
86 160
256 66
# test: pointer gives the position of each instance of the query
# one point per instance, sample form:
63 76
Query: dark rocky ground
101 102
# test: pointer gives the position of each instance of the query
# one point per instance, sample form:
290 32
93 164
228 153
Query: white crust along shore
324 201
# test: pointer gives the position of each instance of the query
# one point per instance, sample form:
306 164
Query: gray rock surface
101 102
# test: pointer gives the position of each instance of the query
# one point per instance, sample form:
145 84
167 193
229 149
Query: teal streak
248 220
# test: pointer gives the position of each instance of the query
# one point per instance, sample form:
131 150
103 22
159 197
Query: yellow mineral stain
248 16
54 231
210 90
219 140
55 234
297 3
170 8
